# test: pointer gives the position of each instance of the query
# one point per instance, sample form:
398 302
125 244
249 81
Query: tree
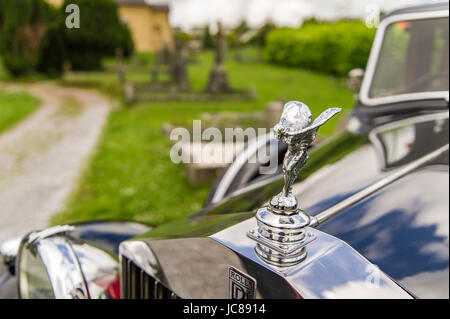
207 40
53 54
101 34
2 13
23 25
260 37
34 36
241 28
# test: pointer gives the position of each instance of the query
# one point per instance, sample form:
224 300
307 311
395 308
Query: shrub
52 54
207 39
333 48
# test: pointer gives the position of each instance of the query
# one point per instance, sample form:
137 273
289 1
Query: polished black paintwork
403 228
107 234
343 166
260 191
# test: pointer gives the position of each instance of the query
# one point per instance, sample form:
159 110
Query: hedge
333 48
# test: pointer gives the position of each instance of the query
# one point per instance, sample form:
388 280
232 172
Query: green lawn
14 107
131 176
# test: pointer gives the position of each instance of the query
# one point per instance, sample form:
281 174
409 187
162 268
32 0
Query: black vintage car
374 200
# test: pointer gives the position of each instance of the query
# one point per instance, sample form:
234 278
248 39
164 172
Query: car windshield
413 58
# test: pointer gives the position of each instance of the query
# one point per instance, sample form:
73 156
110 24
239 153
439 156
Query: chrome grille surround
137 284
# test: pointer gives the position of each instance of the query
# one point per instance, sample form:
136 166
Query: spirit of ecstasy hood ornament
281 235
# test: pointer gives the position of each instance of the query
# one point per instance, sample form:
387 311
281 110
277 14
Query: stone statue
220 45
218 78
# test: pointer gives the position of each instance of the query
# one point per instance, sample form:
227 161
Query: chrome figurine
281 235
296 130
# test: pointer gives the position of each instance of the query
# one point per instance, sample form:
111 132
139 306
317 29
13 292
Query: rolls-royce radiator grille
137 284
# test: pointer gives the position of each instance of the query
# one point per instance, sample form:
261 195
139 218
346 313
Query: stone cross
220 44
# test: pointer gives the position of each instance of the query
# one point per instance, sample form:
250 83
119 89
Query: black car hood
402 227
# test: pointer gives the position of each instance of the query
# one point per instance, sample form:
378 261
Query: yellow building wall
56 3
150 29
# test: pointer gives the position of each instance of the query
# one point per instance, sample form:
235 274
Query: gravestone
154 76
204 161
129 94
272 113
165 55
218 78
121 68
179 66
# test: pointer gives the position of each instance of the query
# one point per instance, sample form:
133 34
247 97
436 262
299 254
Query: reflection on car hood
404 227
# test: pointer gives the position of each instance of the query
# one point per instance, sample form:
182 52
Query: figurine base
273 258
284 204
281 235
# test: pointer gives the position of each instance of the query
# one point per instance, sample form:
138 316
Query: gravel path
42 158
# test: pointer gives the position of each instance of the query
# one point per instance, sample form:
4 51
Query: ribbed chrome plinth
281 235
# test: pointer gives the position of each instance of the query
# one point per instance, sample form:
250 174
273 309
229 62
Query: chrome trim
60 261
285 251
246 283
49 232
75 269
392 125
373 61
352 200
332 268
237 164
99 269
137 255
63 268
140 254
8 252
10 247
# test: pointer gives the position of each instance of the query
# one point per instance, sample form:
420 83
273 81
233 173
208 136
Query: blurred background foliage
333 48
23 25
130 175
101 35
33 36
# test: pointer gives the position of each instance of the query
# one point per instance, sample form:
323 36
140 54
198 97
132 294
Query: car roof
421 8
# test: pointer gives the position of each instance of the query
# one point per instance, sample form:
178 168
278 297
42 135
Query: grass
14 107
131 176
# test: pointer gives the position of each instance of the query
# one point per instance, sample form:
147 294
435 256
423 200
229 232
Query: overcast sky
190 13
